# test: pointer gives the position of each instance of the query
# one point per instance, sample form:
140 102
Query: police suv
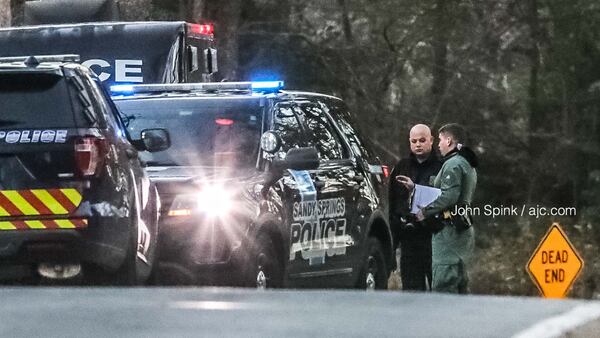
262 186
74 199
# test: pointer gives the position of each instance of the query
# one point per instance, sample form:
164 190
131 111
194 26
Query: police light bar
180 87
203 86
41 58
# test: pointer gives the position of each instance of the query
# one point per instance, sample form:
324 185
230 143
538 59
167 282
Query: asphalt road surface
219 312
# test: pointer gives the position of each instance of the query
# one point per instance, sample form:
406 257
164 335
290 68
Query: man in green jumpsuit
452 246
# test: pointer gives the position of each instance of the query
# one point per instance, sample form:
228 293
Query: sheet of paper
423 196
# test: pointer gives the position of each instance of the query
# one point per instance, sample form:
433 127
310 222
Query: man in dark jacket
415 240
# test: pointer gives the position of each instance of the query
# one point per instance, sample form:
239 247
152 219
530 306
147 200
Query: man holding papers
414 239
452 246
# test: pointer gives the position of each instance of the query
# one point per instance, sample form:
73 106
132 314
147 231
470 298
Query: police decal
319 229
33 136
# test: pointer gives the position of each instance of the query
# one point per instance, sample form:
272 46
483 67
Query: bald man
413 238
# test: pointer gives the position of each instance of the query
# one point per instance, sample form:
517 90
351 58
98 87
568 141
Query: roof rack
271 86
37 59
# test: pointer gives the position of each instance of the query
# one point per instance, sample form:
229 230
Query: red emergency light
224 122
204 29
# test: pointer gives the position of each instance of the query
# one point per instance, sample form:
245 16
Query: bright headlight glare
214 201
211 201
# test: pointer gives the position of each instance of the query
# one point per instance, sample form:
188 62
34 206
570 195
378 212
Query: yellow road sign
555 264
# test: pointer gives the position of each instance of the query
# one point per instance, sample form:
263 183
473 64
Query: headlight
211 201
214 201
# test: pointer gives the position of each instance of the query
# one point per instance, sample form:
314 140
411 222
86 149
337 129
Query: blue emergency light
267 86
122 89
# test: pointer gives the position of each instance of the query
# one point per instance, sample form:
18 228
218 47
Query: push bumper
196 250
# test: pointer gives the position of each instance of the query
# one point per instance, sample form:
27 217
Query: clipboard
423 196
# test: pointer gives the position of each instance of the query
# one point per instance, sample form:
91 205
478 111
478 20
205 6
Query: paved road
199 312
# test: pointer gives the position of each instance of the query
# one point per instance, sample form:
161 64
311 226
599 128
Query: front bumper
200 250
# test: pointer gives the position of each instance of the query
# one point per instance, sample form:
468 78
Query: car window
34 101
287 125
88 98
203 132
343 118
106 109
321 133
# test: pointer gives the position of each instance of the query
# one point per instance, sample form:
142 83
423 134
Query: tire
374 267
265 263
155 279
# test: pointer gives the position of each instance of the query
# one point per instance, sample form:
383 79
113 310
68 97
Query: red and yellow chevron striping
37 202
44 224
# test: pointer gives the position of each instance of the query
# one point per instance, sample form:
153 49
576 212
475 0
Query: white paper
423 196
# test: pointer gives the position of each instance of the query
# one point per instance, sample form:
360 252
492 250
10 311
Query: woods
522 76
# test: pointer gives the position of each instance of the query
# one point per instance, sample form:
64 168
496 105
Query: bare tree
5 13
191 10
226 16
135 10
440 54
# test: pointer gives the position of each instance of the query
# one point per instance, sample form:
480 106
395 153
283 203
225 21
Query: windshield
205 132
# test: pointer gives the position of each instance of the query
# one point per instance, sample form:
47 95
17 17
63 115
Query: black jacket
420 173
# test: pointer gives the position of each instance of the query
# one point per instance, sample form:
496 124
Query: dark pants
415 262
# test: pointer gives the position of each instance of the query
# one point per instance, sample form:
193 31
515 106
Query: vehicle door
328 244
366 165
296 188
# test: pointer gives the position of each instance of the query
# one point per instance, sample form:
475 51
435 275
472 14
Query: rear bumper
103 243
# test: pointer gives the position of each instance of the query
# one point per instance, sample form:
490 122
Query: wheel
126 274
374 272
266 268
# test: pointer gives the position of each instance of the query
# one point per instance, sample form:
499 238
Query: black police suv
74 200
262 187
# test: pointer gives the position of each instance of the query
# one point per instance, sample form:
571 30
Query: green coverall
452 249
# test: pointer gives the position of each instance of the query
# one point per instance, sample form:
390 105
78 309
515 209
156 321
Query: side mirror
156 139
270 142
299 159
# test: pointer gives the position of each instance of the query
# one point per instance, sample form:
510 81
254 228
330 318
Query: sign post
555 264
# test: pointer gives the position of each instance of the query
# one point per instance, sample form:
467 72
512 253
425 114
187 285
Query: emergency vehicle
118 52
263 186
75 201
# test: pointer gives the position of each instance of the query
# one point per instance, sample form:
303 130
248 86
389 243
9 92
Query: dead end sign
555 264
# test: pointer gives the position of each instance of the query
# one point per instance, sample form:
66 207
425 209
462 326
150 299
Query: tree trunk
192 10
5 13
536 116
16 8
440 55
346 25
135 10
226 16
